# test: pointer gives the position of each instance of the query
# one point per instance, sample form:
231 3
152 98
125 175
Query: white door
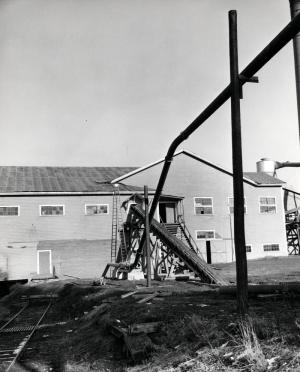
44 264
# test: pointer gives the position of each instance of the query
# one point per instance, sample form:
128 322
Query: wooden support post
238 187
147 230
208 251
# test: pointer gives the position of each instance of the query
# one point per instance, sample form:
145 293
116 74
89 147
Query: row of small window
204 205
266 247
210 235
56 210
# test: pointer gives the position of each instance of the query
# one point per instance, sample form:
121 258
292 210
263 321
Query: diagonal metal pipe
286 164
284 36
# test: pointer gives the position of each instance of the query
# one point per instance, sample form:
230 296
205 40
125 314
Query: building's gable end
251 178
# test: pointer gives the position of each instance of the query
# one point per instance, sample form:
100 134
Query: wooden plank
182 278
128 294
144 328
143 300
105 270
38 297
117 331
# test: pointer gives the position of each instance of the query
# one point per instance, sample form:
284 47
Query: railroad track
16 333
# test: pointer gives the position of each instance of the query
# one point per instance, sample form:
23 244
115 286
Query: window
271 247
203 205
248 248
231 208
96 209
9 211
52 210
267 205
205 234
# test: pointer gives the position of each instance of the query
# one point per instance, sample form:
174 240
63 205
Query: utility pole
295 9
147 231
237 162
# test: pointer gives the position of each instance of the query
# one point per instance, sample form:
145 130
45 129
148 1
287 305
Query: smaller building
207 194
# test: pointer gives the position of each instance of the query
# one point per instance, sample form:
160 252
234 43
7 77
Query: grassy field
268 269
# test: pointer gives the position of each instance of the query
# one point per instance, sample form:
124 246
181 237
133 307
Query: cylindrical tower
295 9
266 165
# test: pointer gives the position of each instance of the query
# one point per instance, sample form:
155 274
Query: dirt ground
199 328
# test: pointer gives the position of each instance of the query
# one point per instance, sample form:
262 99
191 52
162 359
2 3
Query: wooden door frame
38 260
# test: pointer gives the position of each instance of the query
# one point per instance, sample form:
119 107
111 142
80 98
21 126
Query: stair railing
188 235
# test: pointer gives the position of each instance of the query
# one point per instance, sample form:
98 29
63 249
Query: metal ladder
117 229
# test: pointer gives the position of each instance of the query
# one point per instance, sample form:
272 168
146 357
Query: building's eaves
74 193
122 190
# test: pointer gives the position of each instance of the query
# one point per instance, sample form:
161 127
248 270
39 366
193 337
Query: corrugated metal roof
262 178
61 179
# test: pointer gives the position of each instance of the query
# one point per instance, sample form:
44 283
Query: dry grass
193 337
252 353
100 366
201 349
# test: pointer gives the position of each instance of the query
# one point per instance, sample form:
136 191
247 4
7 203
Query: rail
23 324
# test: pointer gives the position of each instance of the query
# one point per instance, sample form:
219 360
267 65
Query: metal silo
266 165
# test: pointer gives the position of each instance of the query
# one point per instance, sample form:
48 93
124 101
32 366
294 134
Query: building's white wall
190 178
72 257
79 244
78 258
18 261
30 226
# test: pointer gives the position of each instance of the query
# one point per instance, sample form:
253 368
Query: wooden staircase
168 236
180 231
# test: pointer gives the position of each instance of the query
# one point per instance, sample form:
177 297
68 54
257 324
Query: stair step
172 227
189 256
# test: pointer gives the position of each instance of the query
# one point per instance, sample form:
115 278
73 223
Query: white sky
113 82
